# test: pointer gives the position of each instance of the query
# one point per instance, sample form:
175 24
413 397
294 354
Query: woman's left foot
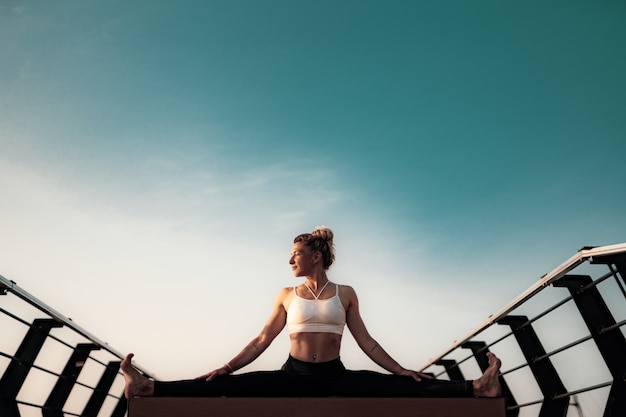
488 385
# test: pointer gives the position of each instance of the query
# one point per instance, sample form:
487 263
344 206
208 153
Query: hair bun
323 232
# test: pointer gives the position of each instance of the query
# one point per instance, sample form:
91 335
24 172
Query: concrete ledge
316 407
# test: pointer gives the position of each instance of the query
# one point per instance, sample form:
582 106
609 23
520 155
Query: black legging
304 379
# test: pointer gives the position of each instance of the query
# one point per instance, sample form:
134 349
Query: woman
315 313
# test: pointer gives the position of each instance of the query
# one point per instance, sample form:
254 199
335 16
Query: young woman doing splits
315 313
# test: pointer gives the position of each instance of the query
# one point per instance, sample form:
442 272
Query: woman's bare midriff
315 347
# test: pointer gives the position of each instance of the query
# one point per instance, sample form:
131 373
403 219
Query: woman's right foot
137 385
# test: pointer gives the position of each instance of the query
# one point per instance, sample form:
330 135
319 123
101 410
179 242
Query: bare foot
137 385
488 385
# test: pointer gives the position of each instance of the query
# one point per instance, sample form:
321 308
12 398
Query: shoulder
284 295
346 289
284 292
347 294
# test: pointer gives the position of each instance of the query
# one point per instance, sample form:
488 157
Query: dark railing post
452 369
120 408
611 343
479 349
21 364
540 365
99 394
53 406
619 261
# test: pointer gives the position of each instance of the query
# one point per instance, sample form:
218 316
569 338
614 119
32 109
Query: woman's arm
253 350
368 344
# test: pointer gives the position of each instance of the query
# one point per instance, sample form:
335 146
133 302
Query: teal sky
161 157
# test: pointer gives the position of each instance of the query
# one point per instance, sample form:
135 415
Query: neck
315 282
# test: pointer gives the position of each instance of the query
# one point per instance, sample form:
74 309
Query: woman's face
302 260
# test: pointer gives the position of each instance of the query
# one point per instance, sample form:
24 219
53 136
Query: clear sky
157 159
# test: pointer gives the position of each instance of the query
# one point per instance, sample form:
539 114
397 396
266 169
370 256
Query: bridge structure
562 341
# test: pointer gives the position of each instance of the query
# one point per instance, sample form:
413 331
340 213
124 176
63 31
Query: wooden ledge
316 407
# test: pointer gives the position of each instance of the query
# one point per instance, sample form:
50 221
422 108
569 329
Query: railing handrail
580 257
15 289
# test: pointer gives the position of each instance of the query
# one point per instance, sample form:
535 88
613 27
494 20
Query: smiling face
303 261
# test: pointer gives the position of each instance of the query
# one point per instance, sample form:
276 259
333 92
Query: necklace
321 291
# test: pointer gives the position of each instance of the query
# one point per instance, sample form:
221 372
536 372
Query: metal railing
58 369
568 359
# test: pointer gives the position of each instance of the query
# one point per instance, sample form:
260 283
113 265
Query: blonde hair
320 240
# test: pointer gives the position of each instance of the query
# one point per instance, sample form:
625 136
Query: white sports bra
316 316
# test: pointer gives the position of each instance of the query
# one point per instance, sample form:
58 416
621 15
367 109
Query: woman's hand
215 373
418 376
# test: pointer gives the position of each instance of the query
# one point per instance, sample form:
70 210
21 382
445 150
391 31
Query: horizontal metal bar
613 327
534 319
29 404
39 368
602 278
6 355
117 397
580 257
579 391
14 317
517 406
517 368
562 348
